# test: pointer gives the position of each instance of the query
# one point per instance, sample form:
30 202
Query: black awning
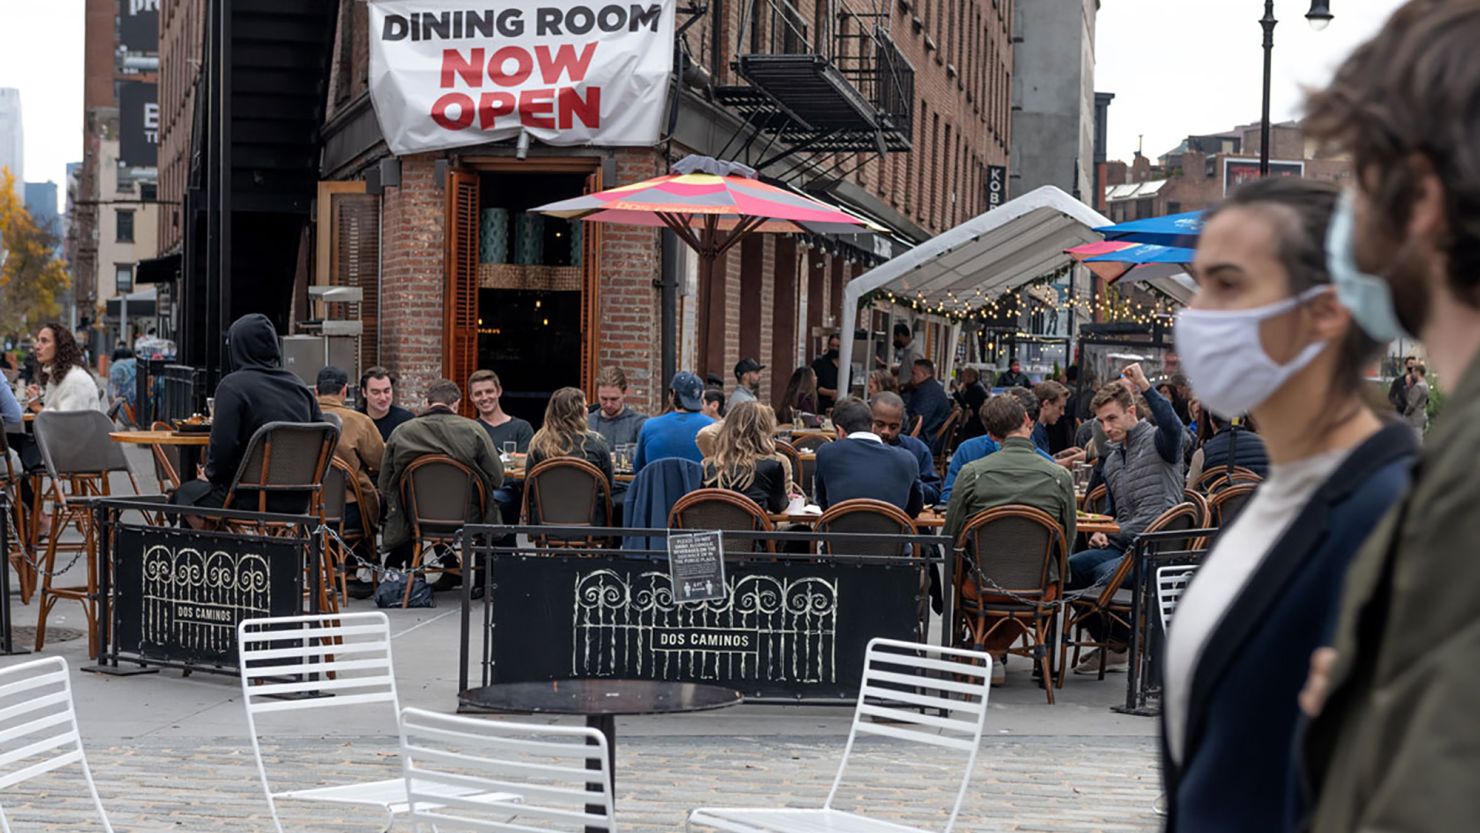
163 269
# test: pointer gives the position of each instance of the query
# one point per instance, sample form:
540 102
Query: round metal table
600 701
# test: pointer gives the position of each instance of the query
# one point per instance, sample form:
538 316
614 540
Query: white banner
444 73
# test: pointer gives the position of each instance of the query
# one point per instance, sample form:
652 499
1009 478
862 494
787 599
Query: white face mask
1225 361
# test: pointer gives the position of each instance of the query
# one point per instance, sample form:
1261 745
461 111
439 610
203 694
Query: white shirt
1240 550
865 435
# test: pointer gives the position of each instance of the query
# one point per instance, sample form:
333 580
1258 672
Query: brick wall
412 276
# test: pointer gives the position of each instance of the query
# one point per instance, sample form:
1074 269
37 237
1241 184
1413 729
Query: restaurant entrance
522 287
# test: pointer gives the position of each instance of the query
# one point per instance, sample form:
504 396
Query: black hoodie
256 392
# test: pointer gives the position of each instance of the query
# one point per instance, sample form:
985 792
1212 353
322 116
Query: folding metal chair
900 702
38 729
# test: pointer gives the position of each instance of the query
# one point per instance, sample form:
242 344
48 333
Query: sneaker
999 671
1114 661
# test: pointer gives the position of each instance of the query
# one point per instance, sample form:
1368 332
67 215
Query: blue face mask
1367 296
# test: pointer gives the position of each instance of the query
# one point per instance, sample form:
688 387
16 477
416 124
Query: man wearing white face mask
1265 334
1395 744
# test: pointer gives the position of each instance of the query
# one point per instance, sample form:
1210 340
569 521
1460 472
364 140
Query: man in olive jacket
1395 744
438 430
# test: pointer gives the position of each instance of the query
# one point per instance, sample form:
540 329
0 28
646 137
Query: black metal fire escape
838 87
254 152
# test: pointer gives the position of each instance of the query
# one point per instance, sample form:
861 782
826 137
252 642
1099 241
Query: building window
124 277
1174 208
125 226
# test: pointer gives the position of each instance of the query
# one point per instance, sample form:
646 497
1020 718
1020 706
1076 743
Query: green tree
32 277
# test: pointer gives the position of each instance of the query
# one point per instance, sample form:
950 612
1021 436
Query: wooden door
591 293
460 296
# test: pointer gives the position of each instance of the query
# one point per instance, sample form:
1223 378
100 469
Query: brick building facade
399 227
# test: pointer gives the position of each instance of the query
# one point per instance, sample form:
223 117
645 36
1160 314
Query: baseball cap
690 390
746 365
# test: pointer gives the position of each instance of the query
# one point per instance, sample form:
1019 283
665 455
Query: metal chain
20 546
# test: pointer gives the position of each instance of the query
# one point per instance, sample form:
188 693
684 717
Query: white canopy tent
996 252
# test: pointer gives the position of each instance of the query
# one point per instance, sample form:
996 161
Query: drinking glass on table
510 447
211 407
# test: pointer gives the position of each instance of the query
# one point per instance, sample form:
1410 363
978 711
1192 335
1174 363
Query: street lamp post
1319 17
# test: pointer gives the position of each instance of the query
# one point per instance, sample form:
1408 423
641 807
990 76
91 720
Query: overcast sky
1176 67
1184 67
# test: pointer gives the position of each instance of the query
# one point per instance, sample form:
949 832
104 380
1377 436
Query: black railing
1147 646
184 392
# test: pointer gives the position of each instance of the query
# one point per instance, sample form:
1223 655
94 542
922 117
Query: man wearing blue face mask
1393 743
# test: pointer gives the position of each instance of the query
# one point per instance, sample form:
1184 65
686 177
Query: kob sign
570 72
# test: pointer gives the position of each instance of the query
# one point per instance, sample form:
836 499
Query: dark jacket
971 398
654 491
439 431
930 480
1397 746
929 401
1245 446
855 468
767 488
256 391
1242 721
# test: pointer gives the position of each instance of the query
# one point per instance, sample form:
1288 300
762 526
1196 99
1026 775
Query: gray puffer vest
1141 483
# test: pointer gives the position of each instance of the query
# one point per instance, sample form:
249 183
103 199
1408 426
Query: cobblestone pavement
1068 785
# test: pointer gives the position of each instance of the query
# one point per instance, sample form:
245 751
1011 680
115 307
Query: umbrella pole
708 252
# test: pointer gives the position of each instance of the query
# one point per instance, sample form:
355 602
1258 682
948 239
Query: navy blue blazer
1239 772
856 468
930 481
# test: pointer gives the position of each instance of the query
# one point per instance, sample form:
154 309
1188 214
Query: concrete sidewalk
171 751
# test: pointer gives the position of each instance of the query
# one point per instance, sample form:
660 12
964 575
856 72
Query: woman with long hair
566 434
744 457
1266 334
882 381
800 396
63 382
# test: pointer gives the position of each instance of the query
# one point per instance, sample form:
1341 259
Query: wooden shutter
590 293
460 297
356 262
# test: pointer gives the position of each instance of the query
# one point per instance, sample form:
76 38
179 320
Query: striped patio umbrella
711 205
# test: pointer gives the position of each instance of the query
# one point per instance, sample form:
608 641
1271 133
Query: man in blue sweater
978 447
888 412
672 434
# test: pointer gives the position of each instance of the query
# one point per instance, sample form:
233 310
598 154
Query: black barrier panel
786 630
178 594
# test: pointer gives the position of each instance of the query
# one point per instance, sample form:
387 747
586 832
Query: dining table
189 443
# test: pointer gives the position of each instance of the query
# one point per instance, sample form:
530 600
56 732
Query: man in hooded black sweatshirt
256 391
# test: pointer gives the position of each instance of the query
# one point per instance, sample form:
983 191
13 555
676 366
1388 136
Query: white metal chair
334 661
459 771
1171 582
898 701
38 729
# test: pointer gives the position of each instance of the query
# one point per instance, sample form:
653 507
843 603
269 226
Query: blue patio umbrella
1171 230
1145 253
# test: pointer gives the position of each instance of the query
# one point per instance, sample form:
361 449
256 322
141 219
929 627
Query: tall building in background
41 202
113 223
1053 113
12 138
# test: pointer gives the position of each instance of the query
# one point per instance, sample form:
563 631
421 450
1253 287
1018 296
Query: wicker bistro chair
723 509
439 495
799 470
1226 504
1196 499
1111 605
166 461
340 484
1005 580
865 516
1095 500
1220 478
79 459
809 443
287 459
19 554
566 491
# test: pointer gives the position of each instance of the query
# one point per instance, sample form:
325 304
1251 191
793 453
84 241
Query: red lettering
588 111
523 66
464 115
470 69
493 105
564 62
535 108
